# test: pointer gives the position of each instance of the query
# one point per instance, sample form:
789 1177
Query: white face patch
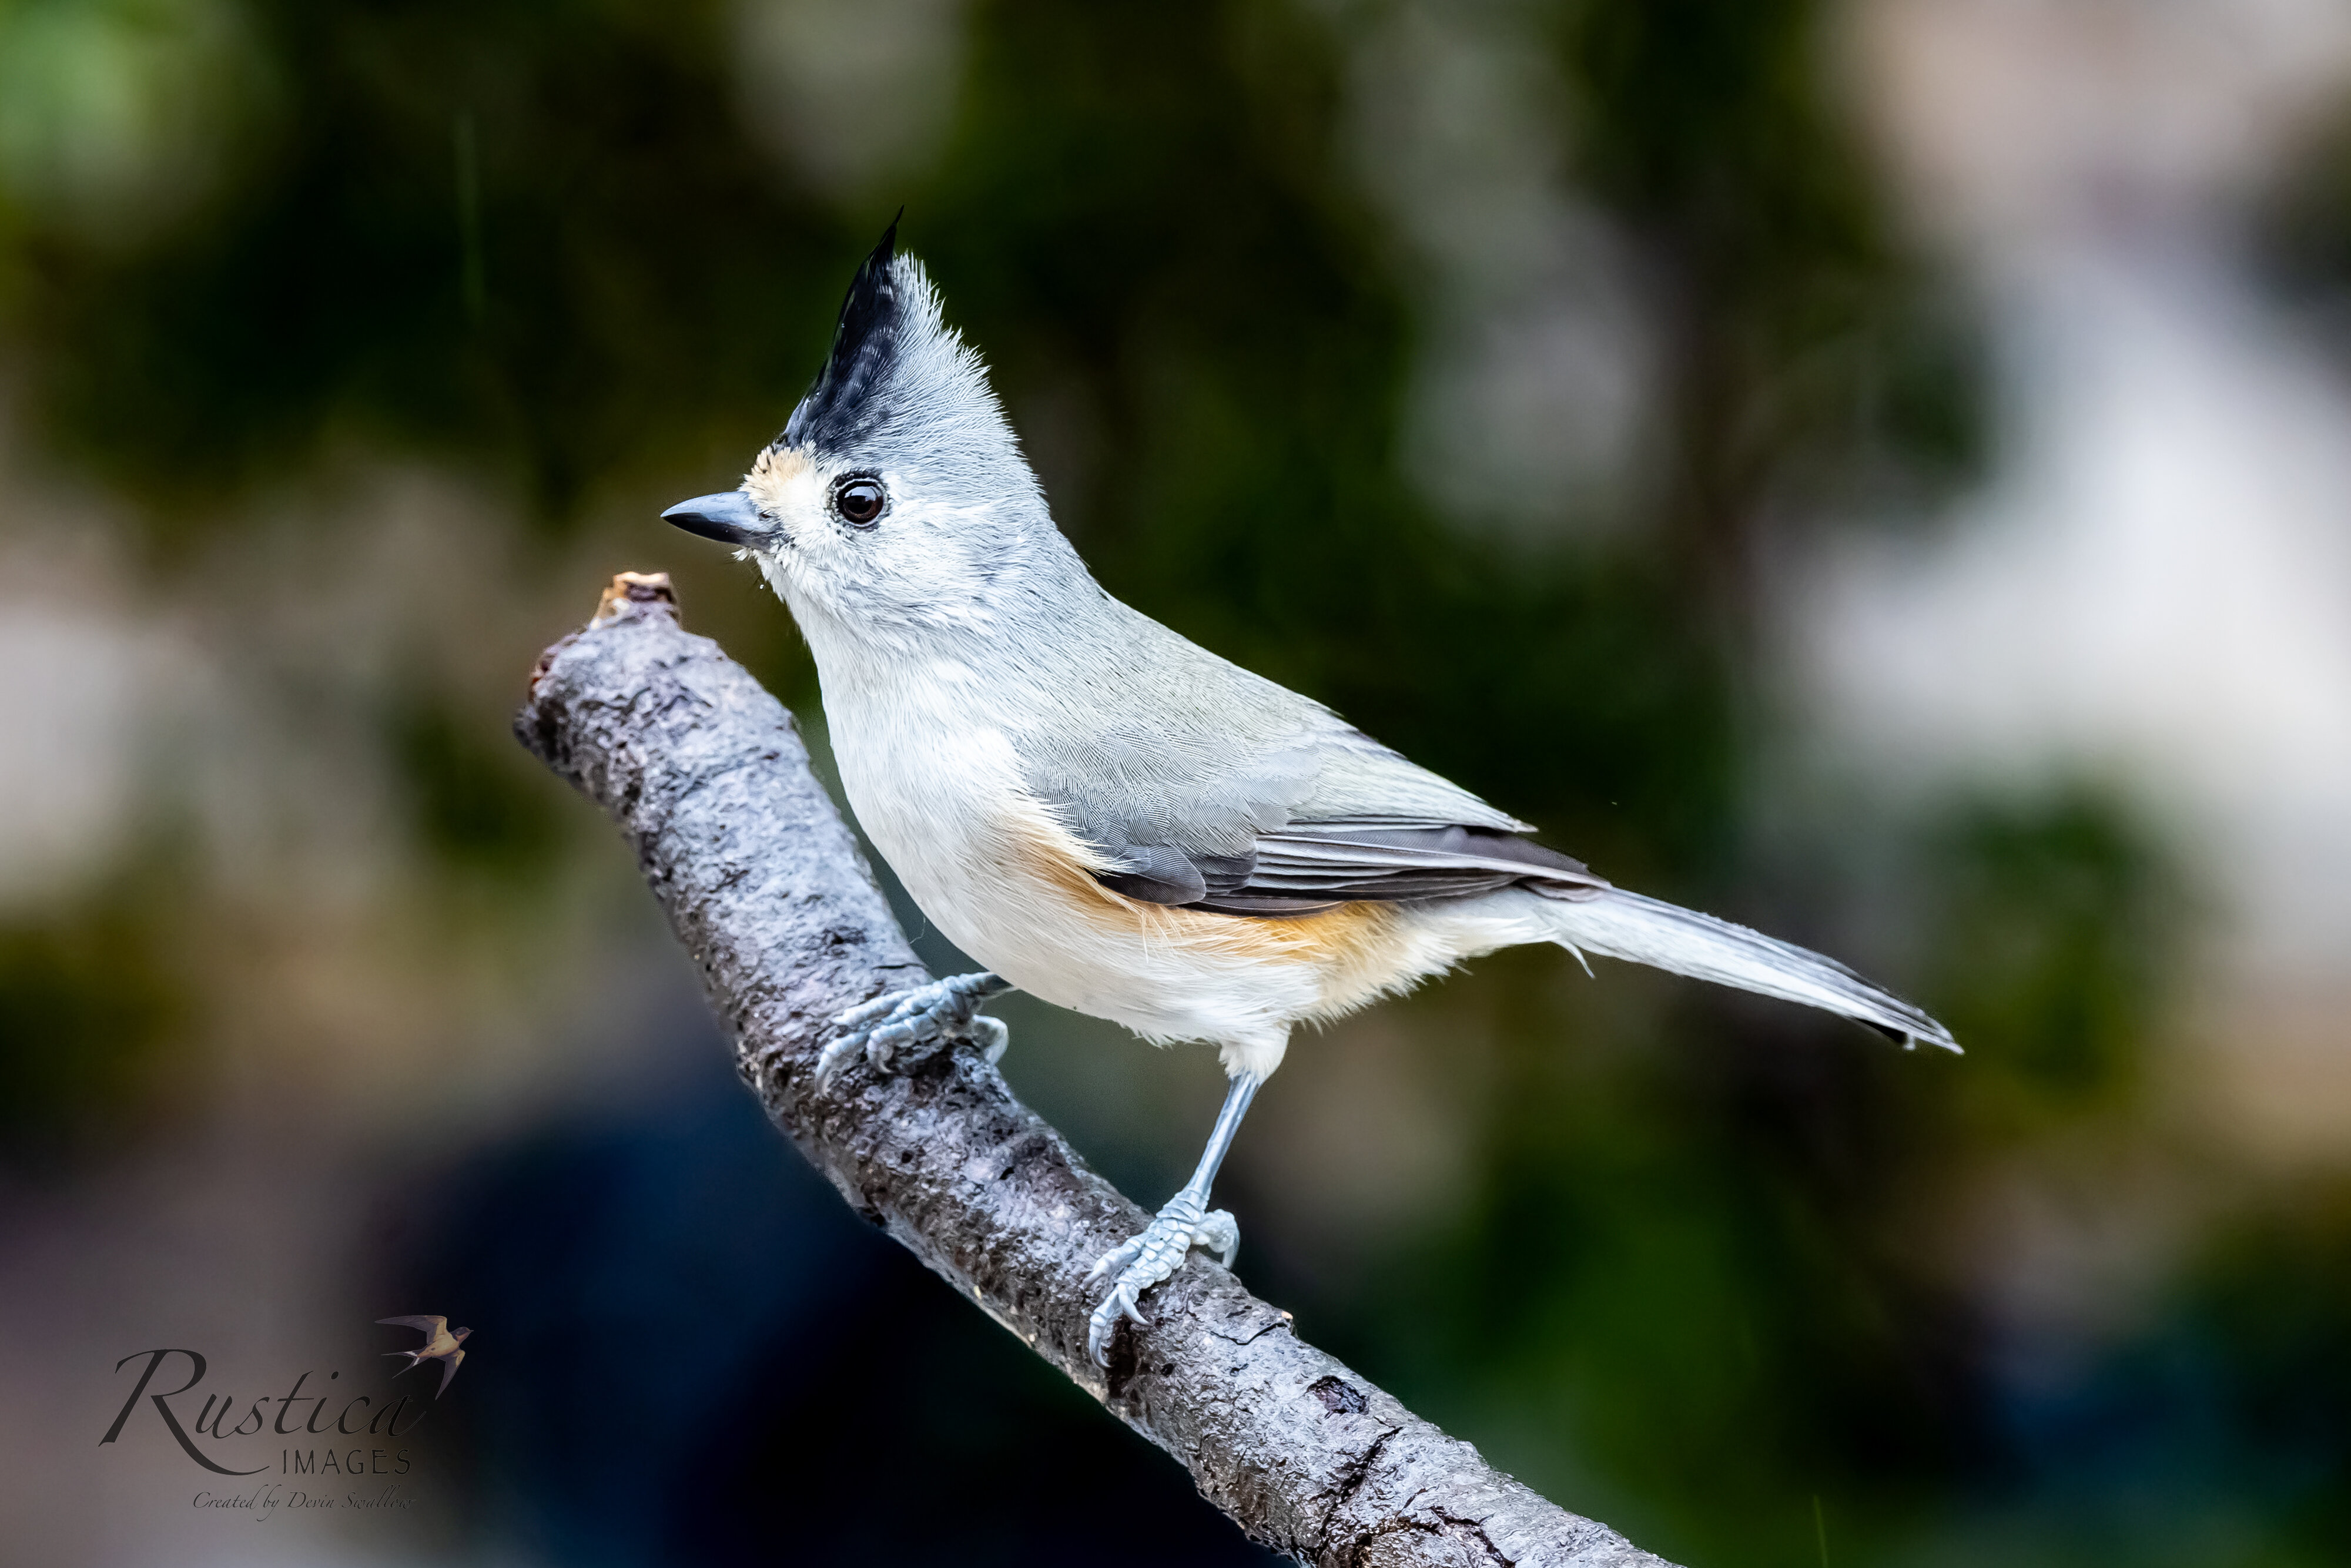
784 486
927 563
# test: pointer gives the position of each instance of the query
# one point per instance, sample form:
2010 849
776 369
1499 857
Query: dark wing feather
1246 842
1312 866
429 1327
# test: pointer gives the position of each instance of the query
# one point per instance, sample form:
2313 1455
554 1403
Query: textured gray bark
705 775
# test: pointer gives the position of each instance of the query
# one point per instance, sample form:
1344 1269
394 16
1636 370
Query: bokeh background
1880 470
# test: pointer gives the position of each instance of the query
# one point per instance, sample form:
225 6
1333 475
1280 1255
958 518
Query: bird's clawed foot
942 1011
1153 1256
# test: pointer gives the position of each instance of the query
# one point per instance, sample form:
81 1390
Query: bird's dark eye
859 501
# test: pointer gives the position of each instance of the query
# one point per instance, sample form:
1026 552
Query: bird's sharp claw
1145 1259
886 1024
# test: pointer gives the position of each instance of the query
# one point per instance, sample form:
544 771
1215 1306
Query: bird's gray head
896 499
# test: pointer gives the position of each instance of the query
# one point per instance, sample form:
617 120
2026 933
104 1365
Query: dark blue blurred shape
694 1353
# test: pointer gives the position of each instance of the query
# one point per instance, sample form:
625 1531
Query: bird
1110 817
441 1344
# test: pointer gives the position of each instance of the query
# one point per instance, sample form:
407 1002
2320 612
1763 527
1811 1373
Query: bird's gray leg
944 1010
1187 1222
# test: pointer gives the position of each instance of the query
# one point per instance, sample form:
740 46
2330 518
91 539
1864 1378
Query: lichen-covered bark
705 775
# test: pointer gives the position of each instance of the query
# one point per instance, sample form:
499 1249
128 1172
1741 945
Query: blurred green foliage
2300 228
639 273
90 1001
2264 1316
1691 1293
1810 361
2055 928
474 806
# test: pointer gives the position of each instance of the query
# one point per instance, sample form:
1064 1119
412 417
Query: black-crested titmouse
1106 815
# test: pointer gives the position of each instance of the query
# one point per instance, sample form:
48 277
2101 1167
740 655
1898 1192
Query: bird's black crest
841 404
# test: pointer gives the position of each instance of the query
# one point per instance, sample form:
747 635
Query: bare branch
705 775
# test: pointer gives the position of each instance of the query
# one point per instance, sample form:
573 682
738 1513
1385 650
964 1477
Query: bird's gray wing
1280 810
448 1371
429 1327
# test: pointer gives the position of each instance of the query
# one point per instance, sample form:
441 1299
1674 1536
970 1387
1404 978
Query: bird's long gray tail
1621 925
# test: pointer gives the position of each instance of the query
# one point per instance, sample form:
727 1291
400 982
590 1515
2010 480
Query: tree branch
705 775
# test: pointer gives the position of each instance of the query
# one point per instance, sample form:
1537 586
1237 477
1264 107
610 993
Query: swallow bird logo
440 1343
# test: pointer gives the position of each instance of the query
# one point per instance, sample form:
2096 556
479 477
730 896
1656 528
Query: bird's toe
885 1026
1151 1256
1220 1233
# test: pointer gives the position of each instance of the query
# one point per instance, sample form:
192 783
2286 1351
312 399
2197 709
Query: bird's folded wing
1311 866
1323 820
1210 788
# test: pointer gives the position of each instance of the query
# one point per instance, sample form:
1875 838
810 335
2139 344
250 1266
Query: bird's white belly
1010 885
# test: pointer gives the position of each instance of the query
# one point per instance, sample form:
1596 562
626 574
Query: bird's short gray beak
728 517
